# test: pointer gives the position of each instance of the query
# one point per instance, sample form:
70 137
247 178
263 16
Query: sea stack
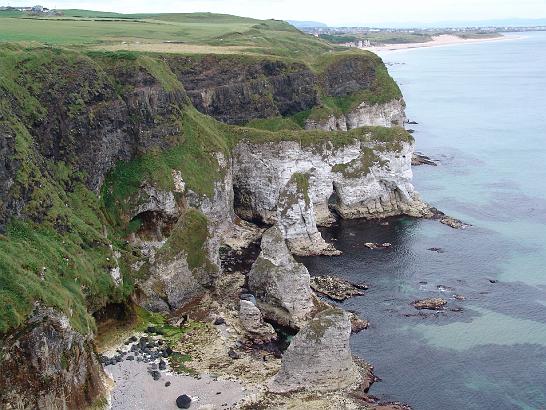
280 284
319 357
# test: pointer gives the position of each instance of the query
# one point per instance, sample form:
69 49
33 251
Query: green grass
87 28
378 38
194 156
188 237
388 138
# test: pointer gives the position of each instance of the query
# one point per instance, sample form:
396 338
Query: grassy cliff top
177 33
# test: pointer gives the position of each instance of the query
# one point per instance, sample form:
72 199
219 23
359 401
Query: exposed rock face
296 218
236 91
369 182
384 115
280 284
47 365
253 323
319 356
182 267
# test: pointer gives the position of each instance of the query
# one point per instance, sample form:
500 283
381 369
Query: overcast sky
331 12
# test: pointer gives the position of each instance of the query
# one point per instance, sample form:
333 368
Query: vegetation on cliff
83 130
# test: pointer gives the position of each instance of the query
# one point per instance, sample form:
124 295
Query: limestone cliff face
387 114
358 179
47 365
319 356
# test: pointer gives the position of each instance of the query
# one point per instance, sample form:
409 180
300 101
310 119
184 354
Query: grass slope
159 31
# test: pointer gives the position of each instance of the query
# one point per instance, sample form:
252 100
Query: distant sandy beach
440 41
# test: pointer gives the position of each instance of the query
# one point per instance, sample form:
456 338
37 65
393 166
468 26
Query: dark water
481 110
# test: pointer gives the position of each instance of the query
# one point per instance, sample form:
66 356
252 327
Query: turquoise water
481 110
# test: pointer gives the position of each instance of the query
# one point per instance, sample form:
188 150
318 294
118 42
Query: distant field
378 38
394 37
174 32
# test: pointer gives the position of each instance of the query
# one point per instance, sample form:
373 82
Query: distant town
33 10
364 37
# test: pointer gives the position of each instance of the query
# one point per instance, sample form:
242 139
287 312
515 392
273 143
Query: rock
384 115
373 245
133 339
162 365
430 304
167 384
183 401
420 159
150 329
357 324
412 122
438 215
248 296
280 284
296 219
130 358
438 250
336 288
233 354
319 356
219 321
459 297
46 364
493 280
252 322
155 375
295 185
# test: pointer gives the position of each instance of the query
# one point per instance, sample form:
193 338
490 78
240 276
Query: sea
481 113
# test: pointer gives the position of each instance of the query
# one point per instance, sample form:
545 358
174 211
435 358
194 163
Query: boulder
252 322
336 288
319 356
183 401
280 284
430 304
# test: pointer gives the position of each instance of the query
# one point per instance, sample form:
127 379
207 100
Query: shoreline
440 41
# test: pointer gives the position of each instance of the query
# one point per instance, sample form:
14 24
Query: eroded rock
388 114
253 323
430 304
336 288
319 356
280 284
48 365
421 159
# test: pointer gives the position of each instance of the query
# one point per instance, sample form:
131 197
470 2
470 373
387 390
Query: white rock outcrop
388 114
319 356
280 284
358 179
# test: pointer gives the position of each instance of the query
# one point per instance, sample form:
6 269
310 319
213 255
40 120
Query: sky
333 13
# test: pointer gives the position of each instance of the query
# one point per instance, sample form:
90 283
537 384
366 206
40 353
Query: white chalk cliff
384 115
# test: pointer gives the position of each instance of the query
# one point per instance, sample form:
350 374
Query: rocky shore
229 356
